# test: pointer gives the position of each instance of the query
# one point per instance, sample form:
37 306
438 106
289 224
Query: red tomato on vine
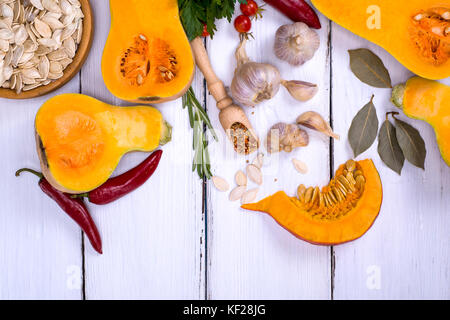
251 9
242 24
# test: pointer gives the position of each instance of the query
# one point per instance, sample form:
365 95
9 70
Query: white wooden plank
40 247
152 238
249 255
405 255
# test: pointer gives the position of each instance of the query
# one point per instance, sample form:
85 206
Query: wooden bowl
72 69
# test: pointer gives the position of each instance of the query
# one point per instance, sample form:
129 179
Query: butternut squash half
427 100
147 56
341 212
415 32
80 140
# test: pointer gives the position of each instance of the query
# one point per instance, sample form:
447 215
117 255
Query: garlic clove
315 121
301 90
296 43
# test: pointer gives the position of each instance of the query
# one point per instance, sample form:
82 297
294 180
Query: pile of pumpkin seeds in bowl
38 40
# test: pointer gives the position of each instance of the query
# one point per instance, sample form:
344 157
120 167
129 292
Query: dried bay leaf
364 129
411 143
369 68
389 149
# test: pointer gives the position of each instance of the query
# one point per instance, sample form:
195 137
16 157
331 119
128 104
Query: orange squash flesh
413 31
147 56
427 100
322 230
80 140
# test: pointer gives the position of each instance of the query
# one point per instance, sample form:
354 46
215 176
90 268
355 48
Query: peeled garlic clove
300 90
296 43
286 137
315 121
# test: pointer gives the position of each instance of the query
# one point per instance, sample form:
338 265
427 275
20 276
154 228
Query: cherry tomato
205 31
250 9
242 24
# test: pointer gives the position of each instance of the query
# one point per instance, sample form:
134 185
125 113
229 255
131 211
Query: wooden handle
215 85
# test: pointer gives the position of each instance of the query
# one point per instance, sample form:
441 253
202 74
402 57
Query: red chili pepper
120 186
298 11
75 208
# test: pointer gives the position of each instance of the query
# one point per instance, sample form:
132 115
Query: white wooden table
179 238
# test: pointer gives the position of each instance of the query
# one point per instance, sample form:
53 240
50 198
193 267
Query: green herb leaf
369 68
411 143
364 129
199 121
389 149
195 13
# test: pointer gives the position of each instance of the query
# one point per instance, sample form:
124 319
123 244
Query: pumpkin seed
300 166
241 178
308 194
301 192
220 183
30 30
237 193
350 165
249 196
254 174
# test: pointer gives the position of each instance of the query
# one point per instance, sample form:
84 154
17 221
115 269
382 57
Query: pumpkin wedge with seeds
340 212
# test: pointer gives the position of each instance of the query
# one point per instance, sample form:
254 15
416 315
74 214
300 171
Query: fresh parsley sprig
199 121
195 13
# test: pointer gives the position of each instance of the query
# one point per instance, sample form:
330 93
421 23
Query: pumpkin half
427 100
81 140
342 211
147 56
415 32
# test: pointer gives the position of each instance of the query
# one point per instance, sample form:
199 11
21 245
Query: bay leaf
389 149
369 68
411 143
364 128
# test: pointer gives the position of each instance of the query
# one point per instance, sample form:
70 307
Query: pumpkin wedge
80 140
341 212
415 32
147 56
427 100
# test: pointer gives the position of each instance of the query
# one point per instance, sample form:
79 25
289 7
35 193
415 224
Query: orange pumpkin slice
341 212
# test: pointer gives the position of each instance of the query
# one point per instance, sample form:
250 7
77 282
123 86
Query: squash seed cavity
148 58
430 33
336 199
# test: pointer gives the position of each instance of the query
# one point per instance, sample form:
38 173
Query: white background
178 238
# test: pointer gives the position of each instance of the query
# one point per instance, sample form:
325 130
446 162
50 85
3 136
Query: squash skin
351 227
427 100
131 18
393 35
77 127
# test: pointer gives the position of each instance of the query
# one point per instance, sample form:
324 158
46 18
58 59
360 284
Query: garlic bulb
296 43
315 121
286 137
300 90
253 82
